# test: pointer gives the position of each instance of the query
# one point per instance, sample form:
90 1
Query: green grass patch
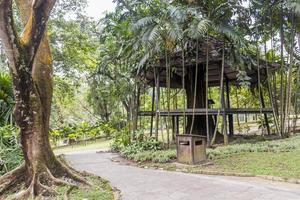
274 158
100 189
283 164
89 145
274 146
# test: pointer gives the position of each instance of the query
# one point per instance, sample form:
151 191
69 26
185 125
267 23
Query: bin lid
190 135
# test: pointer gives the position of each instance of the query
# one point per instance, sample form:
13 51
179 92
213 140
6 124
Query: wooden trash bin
191 149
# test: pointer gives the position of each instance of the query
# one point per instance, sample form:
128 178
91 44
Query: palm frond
230 33
143 61
198 28
151 34
143 22
203 26
294 5
175 33
176 14
215 12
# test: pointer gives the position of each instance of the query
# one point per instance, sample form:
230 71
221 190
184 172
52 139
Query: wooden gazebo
180 73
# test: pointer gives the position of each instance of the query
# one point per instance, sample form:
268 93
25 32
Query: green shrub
10 151
6 98
161 156
82 131
164 156
121 139
142 149
149 144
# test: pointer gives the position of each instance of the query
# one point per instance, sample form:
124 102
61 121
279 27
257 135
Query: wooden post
230 117
238 106
262 100
177 125
137 109
246 115
157 106
224 128
173 128
176 117
152 110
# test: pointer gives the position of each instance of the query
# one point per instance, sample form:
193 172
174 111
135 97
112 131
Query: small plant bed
99 189
144 150
271 158
160 156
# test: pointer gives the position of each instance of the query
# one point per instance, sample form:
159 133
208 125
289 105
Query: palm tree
163 27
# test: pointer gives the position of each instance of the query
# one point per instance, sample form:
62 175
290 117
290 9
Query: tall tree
30 65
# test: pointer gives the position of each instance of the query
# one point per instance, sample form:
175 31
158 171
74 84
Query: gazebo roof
214 66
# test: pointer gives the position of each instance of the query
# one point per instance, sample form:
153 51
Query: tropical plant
6 99
10 151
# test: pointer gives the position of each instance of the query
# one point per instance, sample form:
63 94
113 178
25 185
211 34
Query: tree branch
8 34
36 25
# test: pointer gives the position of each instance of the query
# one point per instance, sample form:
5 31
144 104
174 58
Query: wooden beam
152 110
230 116
173 128
202 111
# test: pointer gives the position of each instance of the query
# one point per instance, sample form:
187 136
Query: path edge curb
205 172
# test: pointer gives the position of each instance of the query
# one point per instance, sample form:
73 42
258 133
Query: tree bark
199 125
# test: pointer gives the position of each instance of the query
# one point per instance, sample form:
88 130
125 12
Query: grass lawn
100 189
282 164
275 158
89 145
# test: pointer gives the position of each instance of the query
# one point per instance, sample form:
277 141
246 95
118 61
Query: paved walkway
146 184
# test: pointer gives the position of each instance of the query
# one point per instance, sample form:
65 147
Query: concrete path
146 184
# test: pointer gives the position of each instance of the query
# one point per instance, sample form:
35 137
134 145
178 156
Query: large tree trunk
199 125
39 95
31 67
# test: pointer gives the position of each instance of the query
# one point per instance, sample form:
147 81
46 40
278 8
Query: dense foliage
81 132
143 149
6 98
140 32
10 151
97 92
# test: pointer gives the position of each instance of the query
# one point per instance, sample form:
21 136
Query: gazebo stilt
230 117
157 107
152 109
